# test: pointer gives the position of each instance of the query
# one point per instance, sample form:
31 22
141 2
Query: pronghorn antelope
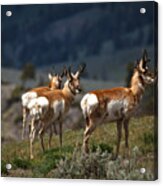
54 105
116 104
55 83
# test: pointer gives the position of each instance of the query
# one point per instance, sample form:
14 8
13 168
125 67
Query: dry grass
141 141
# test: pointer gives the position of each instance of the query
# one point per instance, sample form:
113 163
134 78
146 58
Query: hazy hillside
52 34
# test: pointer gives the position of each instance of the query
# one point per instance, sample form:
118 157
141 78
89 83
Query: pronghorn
54 105
116 104
55 83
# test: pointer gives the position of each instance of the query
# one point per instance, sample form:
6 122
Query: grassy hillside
69 162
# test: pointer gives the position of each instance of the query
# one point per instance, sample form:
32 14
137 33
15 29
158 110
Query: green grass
61 162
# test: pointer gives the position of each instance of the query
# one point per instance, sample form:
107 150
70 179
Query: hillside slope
69 162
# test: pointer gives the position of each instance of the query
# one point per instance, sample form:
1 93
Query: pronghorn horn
82 67
69 73
64 71
145 58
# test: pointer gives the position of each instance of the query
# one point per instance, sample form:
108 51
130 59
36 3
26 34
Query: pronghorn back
112 102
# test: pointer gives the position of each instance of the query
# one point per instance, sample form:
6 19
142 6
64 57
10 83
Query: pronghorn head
74 79
145 74
56 80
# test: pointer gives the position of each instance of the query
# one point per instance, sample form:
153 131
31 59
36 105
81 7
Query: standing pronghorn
116 104
54 105
55 83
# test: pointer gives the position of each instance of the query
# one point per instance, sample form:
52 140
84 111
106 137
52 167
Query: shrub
103 146
98 165
21 163
50 160
3 167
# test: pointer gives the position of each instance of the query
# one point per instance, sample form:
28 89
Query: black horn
145 58
64 71
69 73
82 67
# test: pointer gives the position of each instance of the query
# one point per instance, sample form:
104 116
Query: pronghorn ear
141 66
50 76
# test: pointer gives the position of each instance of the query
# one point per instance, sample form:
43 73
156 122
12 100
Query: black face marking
142 80
71 89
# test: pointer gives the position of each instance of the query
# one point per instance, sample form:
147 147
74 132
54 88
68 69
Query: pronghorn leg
125 124
55 129
60 133
41 134
50 136
90 127
24 121
119 135
32 137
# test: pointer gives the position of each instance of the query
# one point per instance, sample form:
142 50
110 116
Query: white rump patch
42 101
32 103
38 106
88 104
27 97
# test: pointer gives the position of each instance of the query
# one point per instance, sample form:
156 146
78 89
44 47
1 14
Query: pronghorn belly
27 97
116 109
58 107
88 104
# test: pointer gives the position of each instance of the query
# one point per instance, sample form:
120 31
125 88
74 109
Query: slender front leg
24 121
32 137
55 129
90 127
41 134
119 135
50 136
125 124
60 133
